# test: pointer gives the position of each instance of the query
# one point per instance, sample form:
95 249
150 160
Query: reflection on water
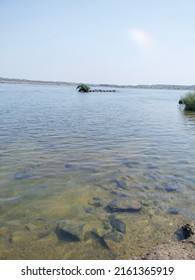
65 156
189 117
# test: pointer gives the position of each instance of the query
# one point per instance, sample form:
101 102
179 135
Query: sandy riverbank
181 250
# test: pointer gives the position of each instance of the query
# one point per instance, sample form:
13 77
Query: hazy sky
98 41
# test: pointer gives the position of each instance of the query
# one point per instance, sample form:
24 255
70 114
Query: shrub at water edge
189 101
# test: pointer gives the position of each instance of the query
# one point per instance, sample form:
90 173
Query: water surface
60 151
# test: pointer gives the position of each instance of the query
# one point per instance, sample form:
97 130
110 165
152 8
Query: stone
69 231
24 174
117 224
170 188
94 234
152 166
97 202
167 188
130 163
125 204
106 225
70 167
121 184
173 210
89 210
113 236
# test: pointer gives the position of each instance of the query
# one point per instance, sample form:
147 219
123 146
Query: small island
85 88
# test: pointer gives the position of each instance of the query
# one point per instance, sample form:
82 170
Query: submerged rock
117 224
152 166
167 188
70 167
112 236
67 230
106 224
120 184
131 163
94 234
125 204
89 210
173 210
97 202
24 174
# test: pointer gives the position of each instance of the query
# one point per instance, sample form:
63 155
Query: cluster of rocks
70 231
114 228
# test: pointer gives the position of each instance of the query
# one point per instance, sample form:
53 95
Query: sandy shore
181 250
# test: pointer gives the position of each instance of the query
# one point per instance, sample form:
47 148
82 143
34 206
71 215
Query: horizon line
90 83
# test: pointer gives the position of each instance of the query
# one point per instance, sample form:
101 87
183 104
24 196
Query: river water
65 155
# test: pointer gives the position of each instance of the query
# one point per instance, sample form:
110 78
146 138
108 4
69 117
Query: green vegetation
189 101
83 88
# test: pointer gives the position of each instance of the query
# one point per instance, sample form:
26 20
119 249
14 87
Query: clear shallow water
60 150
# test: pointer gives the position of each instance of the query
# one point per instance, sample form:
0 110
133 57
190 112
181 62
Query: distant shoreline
59 83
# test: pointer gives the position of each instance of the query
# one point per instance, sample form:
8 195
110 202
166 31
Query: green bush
189 101
83 88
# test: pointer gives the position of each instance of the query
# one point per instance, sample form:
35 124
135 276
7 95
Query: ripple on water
71 155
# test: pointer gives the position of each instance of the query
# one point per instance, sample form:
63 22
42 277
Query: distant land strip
59 83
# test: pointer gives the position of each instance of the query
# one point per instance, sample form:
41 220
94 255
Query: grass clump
189 101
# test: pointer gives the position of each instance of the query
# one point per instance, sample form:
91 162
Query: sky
126 42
